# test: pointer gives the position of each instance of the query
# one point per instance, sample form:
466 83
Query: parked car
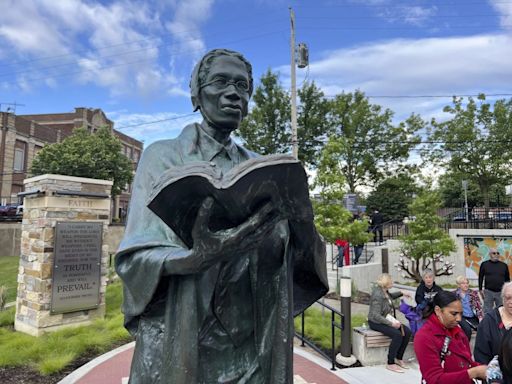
503 216
10 212
460 216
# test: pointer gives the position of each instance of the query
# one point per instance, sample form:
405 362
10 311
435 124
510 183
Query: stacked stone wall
50 204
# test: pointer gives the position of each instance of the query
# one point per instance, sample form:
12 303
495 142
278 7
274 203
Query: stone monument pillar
63 265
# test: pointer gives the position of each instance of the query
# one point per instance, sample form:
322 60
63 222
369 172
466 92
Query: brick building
21 136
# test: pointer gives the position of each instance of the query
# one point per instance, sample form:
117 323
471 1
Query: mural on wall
476 251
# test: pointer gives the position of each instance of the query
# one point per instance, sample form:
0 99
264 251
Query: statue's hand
211 247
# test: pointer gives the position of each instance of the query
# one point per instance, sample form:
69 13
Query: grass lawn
9 274
318 326
53 351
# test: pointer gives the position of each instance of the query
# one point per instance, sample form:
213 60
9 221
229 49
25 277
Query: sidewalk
114 368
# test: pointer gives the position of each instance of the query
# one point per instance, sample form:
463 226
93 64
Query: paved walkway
309 368
114 368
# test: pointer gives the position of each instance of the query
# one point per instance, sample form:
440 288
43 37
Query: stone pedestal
63 265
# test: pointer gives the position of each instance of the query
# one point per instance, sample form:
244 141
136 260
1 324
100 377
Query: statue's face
224 96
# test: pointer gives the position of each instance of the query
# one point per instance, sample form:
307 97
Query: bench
371 347
373 339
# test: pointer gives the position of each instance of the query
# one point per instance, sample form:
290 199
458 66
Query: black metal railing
366 256
341 325
478 218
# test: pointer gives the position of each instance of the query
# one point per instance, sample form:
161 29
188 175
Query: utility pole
295 142
466 208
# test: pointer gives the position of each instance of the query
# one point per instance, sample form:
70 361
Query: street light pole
295 143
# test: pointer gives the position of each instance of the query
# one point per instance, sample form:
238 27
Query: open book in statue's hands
277 179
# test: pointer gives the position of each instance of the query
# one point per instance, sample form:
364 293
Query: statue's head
221 86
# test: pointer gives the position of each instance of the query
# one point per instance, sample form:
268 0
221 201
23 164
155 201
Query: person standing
343 252
377 222
493 274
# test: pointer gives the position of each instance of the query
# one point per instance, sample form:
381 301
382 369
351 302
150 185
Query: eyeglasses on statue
220 83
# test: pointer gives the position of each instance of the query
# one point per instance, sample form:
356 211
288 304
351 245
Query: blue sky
133 59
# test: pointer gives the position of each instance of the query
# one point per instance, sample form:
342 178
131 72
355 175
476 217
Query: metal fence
334 325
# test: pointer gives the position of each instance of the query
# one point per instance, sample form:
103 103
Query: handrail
368 255
334 325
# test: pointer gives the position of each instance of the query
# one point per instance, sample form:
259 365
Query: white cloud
185 26
163 125
505 11
433 66
115 45
414 15
391 12
25 30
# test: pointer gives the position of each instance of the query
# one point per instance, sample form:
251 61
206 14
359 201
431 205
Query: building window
19 159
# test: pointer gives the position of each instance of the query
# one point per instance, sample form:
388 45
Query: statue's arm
149 251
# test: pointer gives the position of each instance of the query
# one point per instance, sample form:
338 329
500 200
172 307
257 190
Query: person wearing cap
491 277
220 311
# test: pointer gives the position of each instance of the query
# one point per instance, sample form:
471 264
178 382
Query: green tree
475 142
313 123
332 220
366 146
84 154
426 245
266 129
392 196
452 192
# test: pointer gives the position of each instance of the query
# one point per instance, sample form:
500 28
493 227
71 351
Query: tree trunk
484 189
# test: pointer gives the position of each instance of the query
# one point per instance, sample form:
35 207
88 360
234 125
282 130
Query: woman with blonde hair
471 307
382 318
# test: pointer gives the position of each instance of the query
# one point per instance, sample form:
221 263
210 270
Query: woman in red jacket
442 348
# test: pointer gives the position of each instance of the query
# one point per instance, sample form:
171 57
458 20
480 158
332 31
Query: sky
133 59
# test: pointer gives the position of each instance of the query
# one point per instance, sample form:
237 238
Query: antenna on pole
10 107
295 142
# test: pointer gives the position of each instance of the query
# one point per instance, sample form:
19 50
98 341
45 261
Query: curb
76 375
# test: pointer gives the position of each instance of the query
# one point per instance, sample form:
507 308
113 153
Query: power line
156 121
148 59
107 47
382 17
425 96
396 28
394 6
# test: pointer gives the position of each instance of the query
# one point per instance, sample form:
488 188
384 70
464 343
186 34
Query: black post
302 338
385 260
345 357
333 343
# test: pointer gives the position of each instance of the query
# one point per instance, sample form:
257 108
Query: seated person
471 307
492 328
442 349
427 289
382 318
499 370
